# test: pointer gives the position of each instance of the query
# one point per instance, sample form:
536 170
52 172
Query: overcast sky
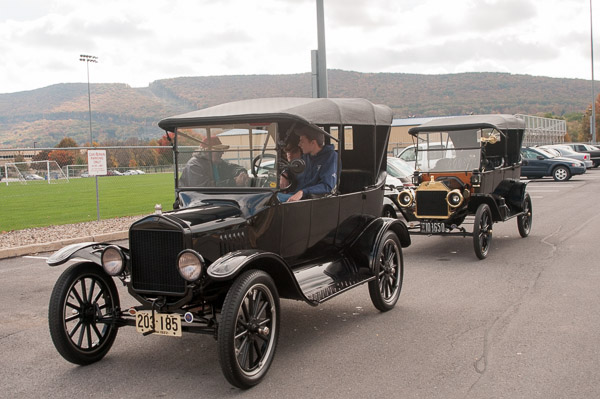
139 41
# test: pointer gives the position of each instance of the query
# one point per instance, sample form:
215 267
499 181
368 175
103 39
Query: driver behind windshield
320 175
206 168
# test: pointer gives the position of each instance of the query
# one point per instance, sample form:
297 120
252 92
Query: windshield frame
244 143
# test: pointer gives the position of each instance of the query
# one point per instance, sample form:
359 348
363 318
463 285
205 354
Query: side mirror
540 158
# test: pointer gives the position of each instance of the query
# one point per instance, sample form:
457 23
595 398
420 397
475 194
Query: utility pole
319 58
593 120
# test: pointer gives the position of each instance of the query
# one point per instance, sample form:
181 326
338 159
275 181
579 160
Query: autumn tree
585 134
64 157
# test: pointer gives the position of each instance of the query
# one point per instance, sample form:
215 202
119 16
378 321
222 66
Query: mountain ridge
120 112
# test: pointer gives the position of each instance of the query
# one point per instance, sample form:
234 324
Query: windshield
546 153
398 168
222 156
449 151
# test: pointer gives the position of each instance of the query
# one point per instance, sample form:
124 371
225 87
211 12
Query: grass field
38 204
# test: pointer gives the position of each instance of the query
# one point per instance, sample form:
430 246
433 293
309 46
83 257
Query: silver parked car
566 152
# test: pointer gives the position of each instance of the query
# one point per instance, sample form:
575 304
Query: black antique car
467 170
219 263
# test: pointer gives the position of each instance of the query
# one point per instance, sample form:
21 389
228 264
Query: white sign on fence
97 162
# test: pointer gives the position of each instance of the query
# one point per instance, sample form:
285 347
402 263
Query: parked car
566 152
113 172
478 177
33 176
539 163
428 158
401 170
399 177
219 263
587 148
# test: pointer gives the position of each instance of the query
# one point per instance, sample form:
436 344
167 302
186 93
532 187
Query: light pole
593 120
87 59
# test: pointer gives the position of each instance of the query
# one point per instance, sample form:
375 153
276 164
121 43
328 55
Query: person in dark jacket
206 168
320 175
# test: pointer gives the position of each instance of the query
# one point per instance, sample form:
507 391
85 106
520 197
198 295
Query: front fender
231 265
91 251
364 248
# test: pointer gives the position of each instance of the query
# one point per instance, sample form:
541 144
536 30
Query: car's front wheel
482 231
524 221
389 269
561 173
249 329
389 212
82 312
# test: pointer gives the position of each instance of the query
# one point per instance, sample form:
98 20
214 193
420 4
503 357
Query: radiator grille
154 261
432 204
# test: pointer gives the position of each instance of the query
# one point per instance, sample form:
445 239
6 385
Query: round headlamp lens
454 199
113 260
190 265
405 198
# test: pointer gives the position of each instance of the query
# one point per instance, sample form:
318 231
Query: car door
532 166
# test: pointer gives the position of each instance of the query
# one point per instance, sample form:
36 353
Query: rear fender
91 251
365 247
231 265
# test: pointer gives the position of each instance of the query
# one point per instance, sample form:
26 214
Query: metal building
541 131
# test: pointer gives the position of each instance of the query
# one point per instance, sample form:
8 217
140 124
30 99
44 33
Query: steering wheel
261 158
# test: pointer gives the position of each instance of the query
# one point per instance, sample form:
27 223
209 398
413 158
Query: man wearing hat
206 168
320 175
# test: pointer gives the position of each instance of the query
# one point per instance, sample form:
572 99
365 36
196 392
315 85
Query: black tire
389 212
249 329
389 269
524 221
561 173
482 231
80 314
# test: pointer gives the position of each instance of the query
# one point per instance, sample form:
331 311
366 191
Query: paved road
522 324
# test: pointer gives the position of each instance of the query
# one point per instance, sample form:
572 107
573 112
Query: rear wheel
389 269
524 221
561 173
81 313
249 329
482 231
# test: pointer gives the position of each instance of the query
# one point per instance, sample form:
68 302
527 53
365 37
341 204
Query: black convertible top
316 111
497 121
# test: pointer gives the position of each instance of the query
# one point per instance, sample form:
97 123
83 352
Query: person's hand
296 197
242 179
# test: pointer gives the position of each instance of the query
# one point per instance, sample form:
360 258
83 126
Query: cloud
483 16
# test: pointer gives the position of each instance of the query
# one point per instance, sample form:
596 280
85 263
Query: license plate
164 324
433 227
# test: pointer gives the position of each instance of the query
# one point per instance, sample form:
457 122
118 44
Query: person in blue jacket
320 175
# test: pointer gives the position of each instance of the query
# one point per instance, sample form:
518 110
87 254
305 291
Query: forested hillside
120 112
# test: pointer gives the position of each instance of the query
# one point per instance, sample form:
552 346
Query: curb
56 245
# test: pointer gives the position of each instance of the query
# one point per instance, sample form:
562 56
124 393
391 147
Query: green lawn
38 203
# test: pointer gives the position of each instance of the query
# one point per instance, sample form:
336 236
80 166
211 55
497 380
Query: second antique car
220 261
470 175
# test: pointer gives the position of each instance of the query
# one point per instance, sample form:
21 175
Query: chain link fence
22 164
